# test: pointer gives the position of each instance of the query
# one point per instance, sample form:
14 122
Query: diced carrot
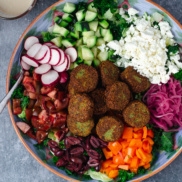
146 166
131 151
115 147
113 173
118 159
134 162
106 163
137 129
125 167
135 142
149 140
150 133
142 154
108 154
127 133
144 132
114 166
146 146
137 135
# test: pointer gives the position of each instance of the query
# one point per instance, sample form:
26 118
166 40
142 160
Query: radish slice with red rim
47 57
68 62
43 68
49 44
50 78
24 65
62 57
62 67
71 51
41 53
63 77
55 57
30 41
34 49
30 61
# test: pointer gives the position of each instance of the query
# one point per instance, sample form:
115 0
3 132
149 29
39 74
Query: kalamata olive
94 142
69 141
102 143
54 149
40 136
76 160
52 143
93 154
59 153
76 151
60 134
93 162
61 162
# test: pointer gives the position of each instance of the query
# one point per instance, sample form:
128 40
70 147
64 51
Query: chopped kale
178 75
125 176
47 36
102 6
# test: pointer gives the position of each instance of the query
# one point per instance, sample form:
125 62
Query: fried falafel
136 114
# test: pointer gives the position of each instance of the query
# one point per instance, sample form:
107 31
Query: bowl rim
22 14
148 175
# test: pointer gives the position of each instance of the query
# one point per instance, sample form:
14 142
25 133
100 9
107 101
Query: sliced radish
46 58
43 68
63 77
49 44
71 51
30 41
34 49
41 53
24 65
30 61
62 67
68 62
62 57
50 78
24 127
55 57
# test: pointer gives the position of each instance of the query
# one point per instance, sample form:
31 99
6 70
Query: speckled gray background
16 164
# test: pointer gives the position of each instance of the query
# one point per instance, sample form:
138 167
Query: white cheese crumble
145 48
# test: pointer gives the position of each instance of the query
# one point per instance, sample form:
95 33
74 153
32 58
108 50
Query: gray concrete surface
16 164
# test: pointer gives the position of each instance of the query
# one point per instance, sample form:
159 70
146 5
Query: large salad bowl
40 24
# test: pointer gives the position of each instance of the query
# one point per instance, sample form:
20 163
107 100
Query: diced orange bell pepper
144 132
127 133
134 162
124 167
150 133
113 173
108 154
115 147
118 159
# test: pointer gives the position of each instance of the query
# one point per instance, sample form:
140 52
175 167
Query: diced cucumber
124 32
85 26
75 34
91 41
93 25
103 56
85 40
80 15
100 41
67 17
95 51
97 33
91 7
60 30
108 15
73 65
104 23
87 54
57 19
103 31
69 7
108 36
78 27
88 33
88 62
57 41
96 62
79 42
67 43
63 23
90 15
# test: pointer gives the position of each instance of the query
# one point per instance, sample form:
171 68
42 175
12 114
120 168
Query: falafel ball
78 128
136 114
71 90
109 73
135 80
84 78
99 99
81 107
109 128
117 96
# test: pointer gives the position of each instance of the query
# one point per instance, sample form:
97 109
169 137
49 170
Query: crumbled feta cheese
145 48
102 48
132 11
